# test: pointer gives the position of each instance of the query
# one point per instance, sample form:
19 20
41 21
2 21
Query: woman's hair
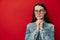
46 19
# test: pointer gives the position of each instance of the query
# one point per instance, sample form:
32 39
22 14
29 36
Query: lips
38 16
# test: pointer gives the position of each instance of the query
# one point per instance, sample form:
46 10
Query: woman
40 28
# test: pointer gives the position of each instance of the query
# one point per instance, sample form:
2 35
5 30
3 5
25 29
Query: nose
38 13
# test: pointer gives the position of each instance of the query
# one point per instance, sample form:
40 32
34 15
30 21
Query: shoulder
50 26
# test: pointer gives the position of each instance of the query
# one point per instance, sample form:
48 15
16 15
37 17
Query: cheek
35 15
42 15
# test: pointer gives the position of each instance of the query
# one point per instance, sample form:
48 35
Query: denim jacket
31 32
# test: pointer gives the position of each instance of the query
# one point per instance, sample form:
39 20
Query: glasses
40 11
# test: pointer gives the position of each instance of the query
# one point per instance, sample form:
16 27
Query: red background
16 14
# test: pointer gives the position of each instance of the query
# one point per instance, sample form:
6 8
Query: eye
36 10
41 10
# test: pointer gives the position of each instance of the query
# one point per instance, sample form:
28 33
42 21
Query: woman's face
39 12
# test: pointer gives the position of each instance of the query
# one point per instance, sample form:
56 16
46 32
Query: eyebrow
40 9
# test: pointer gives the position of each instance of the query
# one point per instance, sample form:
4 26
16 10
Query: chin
39 18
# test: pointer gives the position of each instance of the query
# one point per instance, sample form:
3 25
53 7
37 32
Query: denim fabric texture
47 33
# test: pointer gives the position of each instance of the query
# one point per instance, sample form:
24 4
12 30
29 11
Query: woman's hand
39 24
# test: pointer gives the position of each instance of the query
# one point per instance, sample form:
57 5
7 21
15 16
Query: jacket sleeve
30 35
52 32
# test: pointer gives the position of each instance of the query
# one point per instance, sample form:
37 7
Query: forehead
38 7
